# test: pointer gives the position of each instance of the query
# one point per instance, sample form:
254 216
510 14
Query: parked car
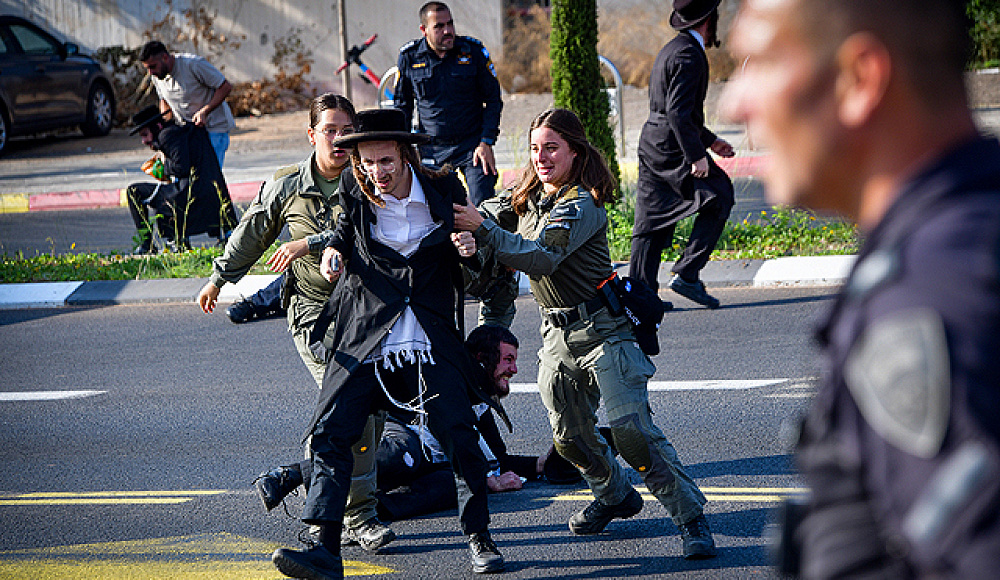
46 84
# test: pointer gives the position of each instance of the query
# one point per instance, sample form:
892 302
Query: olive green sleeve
569 225
260 226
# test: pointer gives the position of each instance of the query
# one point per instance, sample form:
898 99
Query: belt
561 317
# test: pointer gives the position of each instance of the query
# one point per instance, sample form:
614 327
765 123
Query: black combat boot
272 486
697 538
595 517
370 535
486 558
321 562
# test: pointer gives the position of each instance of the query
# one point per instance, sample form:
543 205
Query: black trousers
449 418
709 223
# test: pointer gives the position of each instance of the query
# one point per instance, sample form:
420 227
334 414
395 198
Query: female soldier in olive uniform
304 197
587 353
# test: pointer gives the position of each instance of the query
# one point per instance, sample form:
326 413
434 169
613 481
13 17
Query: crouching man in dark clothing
191 196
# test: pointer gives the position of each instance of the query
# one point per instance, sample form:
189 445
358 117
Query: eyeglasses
331 133
386 164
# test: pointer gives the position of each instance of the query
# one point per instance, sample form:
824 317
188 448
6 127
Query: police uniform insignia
285 171
564 211
898 373
418 65
464 59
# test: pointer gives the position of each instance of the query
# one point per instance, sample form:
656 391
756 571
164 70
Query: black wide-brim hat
688 13
380 125
145 118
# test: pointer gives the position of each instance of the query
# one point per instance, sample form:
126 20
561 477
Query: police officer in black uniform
865 109
451 82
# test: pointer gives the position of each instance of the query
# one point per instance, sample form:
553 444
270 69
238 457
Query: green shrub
577 84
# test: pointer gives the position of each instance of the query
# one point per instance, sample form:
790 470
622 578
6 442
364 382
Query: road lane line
719 494
715 385
47 395
219 556
106 497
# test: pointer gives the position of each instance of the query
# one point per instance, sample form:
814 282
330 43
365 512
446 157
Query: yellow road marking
106 497
198 557
726 494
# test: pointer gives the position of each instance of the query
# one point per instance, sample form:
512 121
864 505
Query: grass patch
782 232
196 263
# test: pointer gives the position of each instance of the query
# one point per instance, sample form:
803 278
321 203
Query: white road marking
48 395
721 385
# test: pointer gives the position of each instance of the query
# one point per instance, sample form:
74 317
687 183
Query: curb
244 192
797 271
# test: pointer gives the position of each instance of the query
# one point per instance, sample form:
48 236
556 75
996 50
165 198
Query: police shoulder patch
899 374
286 171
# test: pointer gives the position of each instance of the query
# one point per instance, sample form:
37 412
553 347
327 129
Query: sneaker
694 291
242 311
273 486
486 557
697 538
371 535
316 563
595 517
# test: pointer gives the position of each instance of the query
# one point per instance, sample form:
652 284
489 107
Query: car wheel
100 111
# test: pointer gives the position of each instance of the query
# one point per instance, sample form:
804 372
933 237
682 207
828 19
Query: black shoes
371 535
595 517
274 485
242 311
316 563
667 306
486 557
694 291
697 538
245 311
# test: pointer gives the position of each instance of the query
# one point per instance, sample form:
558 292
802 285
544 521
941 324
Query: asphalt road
149 476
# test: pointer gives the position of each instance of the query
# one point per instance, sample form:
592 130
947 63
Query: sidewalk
804 271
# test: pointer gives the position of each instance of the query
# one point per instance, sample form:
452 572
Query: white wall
96 23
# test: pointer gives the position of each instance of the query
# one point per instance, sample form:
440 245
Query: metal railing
615 102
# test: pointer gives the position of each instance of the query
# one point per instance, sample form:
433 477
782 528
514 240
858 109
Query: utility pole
342 18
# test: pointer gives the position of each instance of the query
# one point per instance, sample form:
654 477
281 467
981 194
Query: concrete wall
258 23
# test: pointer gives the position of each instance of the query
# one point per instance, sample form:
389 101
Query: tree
577 84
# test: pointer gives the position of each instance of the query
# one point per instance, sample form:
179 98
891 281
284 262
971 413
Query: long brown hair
589 170
408 154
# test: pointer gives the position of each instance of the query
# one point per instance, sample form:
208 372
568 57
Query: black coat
378 284
674 136
200 196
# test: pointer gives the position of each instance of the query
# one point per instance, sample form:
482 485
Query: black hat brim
678 22
145 124
350 141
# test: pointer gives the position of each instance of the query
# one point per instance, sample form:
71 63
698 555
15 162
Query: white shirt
401 225
698 37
